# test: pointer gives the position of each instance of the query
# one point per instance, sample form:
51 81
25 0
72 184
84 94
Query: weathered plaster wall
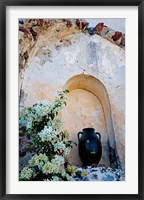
63 53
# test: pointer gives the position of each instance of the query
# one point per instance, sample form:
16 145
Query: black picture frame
3 99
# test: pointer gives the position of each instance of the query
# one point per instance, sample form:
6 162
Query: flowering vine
49 143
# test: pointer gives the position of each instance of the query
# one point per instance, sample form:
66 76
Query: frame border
3 5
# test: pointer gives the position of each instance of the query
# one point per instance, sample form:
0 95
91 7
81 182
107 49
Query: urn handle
79 135
98 135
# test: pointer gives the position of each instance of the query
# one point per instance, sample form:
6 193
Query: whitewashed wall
58 59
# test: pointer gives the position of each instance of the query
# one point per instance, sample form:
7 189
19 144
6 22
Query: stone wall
93 69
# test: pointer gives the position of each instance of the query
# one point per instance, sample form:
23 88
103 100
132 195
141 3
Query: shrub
47 142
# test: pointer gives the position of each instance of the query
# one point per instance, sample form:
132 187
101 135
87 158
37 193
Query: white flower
47 134
26 173
55 178
61 147
63 173
59 160
70 179
34 118
34 113
41 109
66 152
47 168
38 160
56 123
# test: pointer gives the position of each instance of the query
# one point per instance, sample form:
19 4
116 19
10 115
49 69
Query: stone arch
96 87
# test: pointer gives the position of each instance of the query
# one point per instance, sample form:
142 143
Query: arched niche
97 88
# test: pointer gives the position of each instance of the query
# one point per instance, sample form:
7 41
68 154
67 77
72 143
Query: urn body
89 146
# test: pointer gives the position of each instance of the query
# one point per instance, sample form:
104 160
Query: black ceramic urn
89 146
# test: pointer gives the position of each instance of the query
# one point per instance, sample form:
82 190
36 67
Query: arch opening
93 86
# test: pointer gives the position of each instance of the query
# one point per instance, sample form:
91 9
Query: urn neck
88 130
